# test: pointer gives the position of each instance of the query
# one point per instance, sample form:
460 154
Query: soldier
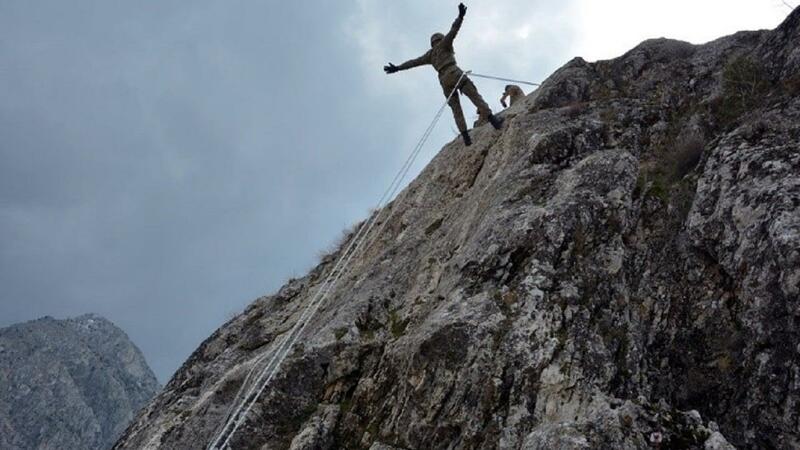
442 57
515 92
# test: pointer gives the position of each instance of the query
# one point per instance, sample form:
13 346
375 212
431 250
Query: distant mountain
69 384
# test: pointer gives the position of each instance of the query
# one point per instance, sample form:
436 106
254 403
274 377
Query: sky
165 163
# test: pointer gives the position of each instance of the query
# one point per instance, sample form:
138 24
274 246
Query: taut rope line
505 79
238 413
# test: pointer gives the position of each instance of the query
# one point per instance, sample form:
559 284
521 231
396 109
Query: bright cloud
611 27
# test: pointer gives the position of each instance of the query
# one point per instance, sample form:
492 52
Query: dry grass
338 243
575 109
661 175
744 86
685 156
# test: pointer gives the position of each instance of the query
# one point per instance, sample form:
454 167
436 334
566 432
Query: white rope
238 414
275 352
231 415
505 79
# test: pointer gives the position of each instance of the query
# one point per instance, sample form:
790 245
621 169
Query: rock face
617 268
69 384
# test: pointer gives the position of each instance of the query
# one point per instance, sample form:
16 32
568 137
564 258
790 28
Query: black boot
496 122
467 140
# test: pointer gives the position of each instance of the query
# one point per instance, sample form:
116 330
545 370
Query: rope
505 79
238 414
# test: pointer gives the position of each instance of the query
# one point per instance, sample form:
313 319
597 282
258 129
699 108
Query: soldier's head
436 38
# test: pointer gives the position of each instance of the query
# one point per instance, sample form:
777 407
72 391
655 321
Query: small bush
608 115
368 334
659 178
338 243
745 81
792 85
396 326
744 84
754 130
575 109
686 155
659 189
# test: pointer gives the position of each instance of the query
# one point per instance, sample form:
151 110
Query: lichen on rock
617 268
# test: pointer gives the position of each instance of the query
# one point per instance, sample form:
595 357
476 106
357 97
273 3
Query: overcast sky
165 163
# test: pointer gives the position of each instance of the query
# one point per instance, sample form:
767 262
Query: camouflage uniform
515 92
481 120
442 57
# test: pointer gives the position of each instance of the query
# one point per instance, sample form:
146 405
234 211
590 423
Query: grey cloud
164 164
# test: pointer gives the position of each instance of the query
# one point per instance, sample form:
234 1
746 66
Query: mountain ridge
72 383
617 268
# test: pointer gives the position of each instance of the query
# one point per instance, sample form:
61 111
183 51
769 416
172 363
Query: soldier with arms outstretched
442 57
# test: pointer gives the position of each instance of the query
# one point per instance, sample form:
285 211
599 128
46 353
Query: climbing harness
259 377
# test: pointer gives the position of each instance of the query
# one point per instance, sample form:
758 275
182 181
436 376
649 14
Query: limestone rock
617 268
69 384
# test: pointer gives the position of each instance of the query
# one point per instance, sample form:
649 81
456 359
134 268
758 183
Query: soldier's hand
390 68
462 10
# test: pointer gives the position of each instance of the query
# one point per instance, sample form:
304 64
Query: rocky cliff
617 268
69 384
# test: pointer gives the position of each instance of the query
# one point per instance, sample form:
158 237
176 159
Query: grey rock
717 442
66 384
617 268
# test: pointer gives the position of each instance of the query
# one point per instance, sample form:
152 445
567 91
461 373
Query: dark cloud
163 164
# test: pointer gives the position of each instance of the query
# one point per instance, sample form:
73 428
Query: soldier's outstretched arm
451 35
421 61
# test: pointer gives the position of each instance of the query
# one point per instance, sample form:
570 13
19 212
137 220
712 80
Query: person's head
436 38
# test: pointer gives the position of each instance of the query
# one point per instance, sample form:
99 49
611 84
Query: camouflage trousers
448 80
